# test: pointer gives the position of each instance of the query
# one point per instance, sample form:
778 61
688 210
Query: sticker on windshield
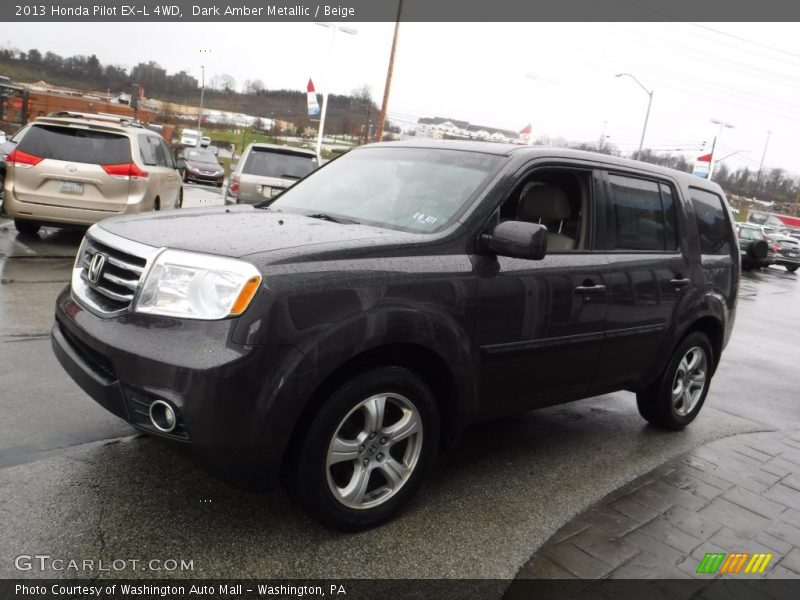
425 219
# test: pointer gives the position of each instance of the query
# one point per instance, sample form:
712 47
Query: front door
540 323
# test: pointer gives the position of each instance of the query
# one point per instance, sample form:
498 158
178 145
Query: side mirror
518 239
180 163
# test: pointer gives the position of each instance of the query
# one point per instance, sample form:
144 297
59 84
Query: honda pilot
334 337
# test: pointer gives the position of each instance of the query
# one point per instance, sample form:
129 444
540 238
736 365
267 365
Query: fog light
162 416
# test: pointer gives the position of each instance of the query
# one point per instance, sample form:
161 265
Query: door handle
590 289
680 281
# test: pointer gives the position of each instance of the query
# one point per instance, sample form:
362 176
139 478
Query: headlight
198 286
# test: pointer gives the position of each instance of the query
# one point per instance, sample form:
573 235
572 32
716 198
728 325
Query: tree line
772 185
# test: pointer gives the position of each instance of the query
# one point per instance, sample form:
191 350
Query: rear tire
791 268
27 227
676 397
367 450
180 200
157 204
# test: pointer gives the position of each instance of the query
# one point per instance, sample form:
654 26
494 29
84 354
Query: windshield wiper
287 176
332 219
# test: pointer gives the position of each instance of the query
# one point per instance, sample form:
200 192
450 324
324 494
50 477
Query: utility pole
387 87
202 93
763 155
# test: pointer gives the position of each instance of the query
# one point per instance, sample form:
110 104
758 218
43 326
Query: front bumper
235 404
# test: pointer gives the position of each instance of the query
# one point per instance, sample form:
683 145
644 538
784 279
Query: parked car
202 166
77 169
753 247
785 251
265 170
2 137
190 138
5 149
336 336
205 142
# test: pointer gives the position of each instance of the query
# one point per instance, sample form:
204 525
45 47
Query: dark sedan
202 166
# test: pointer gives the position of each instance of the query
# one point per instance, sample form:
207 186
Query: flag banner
313 105
702 166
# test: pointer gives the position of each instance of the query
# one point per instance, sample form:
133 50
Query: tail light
233 188
125 171
23 160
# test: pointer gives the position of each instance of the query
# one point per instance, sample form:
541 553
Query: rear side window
712 223
641 216
269 163
76 145
152 151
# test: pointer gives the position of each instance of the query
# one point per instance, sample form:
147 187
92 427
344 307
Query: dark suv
335 336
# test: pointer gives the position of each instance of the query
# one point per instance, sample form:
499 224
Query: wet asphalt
78 483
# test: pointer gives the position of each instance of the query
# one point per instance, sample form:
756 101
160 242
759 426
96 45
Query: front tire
676 397
367 450
791 268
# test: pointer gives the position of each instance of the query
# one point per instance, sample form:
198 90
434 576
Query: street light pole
722 125
202 93
326 84
649 104
763 156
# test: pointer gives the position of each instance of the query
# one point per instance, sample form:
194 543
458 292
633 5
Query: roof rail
121 119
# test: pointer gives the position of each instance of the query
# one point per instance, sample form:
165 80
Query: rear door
65 168
648 274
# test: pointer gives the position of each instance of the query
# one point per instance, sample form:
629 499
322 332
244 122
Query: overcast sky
560 77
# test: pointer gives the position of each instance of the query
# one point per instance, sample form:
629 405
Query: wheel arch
421 360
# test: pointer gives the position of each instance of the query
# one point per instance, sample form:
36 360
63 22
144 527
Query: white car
190 137
2 137
205 142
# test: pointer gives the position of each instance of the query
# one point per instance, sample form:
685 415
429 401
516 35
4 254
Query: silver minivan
79 168
265 170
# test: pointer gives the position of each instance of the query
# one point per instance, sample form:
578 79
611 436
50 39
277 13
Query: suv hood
241 230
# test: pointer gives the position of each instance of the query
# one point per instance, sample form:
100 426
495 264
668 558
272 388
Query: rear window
76 145
712 224
271 163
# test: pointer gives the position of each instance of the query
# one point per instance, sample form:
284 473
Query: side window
170 160
558 198
670 217
147 150
712 222
636 216
158 150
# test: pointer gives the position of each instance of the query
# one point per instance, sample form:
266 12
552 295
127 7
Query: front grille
99 363
139 413
108 272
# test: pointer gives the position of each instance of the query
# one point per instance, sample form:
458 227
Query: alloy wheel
374 451
689 381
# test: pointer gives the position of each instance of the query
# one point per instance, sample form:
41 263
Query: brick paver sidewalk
736 495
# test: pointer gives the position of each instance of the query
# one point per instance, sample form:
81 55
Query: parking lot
79 483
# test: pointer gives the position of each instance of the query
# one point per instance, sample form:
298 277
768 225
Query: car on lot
785 251
334 337
5 149
265 170
74 169
205 142
2 137
754 247
202 166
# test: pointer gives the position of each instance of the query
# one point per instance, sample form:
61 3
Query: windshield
278 163
410 189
